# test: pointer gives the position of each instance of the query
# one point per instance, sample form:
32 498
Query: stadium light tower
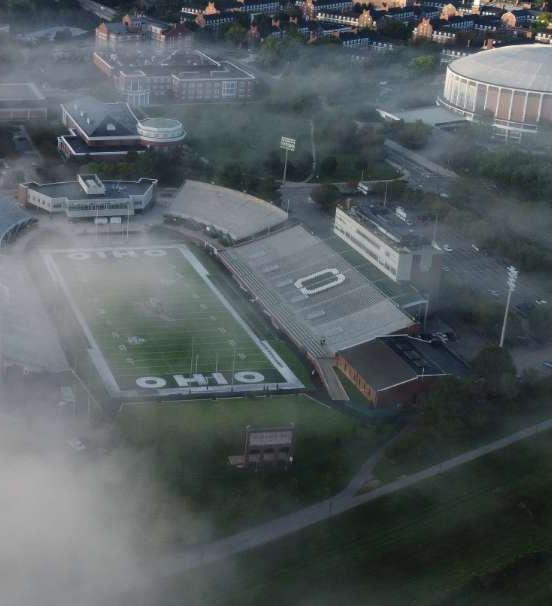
511 281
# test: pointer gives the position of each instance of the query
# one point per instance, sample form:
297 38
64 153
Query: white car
447 247
76 444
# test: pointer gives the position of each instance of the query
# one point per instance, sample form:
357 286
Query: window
229 88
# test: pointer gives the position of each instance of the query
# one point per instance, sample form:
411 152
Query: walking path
313 151
366 472
276 529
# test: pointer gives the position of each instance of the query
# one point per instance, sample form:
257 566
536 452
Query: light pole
287 144
511 282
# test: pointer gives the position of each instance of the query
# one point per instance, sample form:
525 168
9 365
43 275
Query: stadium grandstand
321 301
12 221
28 339
237 215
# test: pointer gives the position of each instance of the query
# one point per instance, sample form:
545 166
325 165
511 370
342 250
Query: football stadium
157 326
318 298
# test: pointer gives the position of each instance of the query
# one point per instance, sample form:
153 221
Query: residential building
389 240
396 371
311 7
89 197
361 20
112 130
141 28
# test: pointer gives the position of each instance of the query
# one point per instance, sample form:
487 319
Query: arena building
511 86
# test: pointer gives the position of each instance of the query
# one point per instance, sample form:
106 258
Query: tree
413 135
495 367
326 195
236 34
540 322
424 64
454 409
232 175
328 166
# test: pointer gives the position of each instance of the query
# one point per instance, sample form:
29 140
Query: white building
387 241
89 197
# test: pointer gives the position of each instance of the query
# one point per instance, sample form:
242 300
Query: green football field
156 323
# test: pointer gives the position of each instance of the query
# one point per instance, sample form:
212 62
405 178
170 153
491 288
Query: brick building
144 76
397 370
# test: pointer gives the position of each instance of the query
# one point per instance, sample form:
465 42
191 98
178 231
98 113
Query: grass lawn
253 315
420 547
191 441
159 316
245 134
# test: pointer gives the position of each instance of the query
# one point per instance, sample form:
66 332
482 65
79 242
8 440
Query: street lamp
511 281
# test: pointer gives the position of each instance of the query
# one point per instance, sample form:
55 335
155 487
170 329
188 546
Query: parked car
447 247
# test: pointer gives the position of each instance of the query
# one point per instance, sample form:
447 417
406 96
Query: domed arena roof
526 67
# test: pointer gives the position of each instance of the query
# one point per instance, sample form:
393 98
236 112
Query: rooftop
235 213
98 119
389 361
388 226
73 190
525 67
20 91
182 63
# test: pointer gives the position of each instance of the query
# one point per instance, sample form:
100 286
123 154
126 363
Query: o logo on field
79 256
151 382
249 377
155 253
335 274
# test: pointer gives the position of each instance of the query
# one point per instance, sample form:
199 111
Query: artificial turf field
158 326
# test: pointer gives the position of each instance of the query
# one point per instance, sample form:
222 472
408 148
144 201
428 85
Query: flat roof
385 224
181 63
433 115
80 147
73 190
20 91
391 360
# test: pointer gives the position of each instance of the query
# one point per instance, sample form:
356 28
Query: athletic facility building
22 102
89 197
223 211
157 326
320 300
396 371
112 130
511 86
389 241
